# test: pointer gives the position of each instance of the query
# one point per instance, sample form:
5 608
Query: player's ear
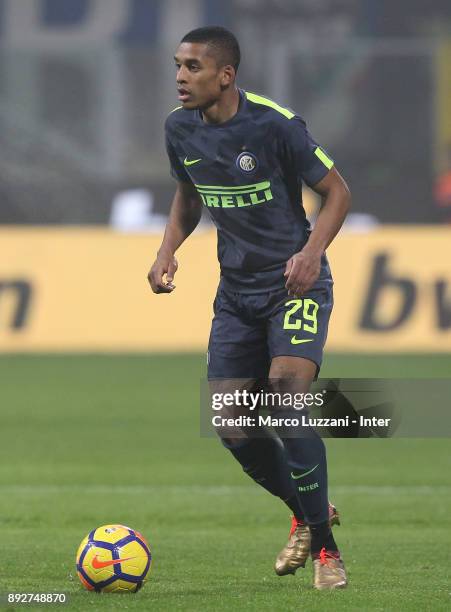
228 75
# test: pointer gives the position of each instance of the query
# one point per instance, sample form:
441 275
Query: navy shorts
249 330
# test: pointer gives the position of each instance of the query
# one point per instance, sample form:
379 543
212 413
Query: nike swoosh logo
96 564
305 473
193 161
295 340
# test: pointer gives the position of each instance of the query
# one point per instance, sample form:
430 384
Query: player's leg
297 334
238 355
306 453
306 457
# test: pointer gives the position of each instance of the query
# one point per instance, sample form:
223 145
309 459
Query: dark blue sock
322 537
264 460
306 458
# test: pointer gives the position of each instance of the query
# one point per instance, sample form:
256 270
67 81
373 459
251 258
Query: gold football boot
329 571
297 549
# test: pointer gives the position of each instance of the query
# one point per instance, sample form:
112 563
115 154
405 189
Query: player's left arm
303 268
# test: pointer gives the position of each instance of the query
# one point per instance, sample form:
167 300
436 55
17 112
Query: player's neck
224 109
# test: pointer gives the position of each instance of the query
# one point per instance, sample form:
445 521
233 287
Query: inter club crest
246 162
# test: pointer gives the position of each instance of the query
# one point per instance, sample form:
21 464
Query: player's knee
284 371
288 368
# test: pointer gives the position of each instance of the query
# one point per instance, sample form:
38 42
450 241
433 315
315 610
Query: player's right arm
185 214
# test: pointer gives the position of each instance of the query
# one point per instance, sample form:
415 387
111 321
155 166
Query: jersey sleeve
176 168
303 155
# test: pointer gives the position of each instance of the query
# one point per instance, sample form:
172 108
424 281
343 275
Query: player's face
200 81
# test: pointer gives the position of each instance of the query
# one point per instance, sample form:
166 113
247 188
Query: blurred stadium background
85 86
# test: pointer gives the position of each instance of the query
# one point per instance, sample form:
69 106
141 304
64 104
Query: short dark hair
223 42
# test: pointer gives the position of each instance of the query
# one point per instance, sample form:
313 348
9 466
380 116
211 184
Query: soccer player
244 157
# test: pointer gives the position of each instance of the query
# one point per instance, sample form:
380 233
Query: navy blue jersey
249 172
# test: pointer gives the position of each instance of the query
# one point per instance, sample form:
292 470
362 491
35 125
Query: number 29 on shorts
301 314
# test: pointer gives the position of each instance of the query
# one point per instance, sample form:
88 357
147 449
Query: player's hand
165 265
302 271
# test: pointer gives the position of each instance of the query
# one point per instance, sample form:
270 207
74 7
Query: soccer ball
113 559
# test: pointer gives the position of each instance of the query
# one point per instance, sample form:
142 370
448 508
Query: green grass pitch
88 440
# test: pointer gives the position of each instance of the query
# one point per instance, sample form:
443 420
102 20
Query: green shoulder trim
176 108
324 158
267 102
